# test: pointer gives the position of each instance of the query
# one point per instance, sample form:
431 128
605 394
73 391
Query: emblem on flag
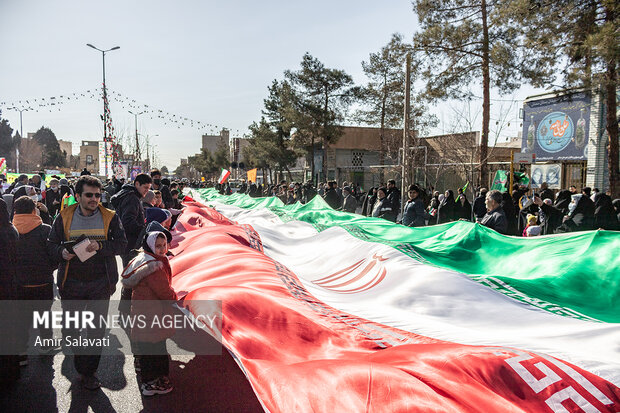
356 278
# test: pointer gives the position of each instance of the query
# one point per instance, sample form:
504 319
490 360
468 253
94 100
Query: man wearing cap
53 197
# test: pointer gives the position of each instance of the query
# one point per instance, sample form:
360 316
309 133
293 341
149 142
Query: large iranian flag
330 311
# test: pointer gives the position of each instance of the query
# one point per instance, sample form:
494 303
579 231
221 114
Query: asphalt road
201 384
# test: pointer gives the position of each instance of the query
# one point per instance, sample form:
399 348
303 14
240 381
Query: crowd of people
39 226
523 212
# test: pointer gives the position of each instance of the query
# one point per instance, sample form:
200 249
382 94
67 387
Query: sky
208 61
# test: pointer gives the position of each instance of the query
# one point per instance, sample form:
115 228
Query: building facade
236 150
89 156
213 142
66 147
444 161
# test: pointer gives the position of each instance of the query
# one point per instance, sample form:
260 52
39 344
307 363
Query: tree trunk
382 131
612 121
486 103
288 173
325 159
325 143
312 161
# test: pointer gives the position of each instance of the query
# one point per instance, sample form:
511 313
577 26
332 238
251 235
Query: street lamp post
137 154
148 153
21 134
105 97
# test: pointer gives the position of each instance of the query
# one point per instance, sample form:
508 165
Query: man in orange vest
93 279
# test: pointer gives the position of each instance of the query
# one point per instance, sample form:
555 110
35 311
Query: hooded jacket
149 277
129 208
34 267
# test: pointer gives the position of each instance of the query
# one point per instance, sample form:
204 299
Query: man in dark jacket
331 196
308 192
349 203
94 279
413 214
34 267
53 197
130 210
495 218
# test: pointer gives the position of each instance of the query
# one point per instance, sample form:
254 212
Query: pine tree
323 96
467 42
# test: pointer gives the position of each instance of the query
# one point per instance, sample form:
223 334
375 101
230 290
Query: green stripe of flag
578 271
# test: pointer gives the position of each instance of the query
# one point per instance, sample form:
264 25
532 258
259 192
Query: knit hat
531 219
64 181
156 226
347 188
157 214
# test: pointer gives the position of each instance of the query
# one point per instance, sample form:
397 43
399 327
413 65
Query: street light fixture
21 133
105 98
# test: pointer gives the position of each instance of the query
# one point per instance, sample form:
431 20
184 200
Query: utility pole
21 133
405 158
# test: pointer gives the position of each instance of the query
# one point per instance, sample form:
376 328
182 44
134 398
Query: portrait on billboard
551 174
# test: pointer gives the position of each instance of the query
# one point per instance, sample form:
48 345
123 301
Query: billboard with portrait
551 174
557 128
